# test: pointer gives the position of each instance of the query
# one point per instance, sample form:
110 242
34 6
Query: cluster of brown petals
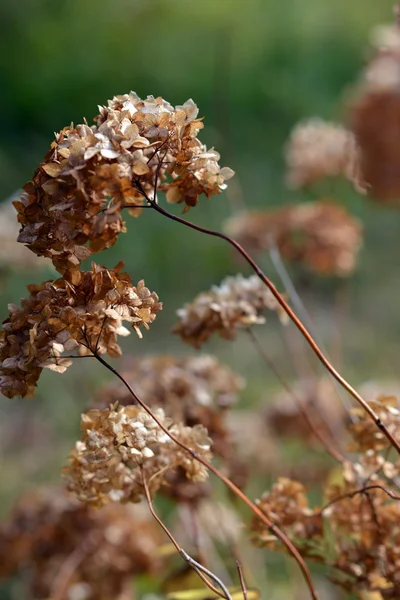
236 303
317 399
13 255
72 207
192 389
365 434
375 118
111 545
321 236
356 534
82 311
121 446
318 149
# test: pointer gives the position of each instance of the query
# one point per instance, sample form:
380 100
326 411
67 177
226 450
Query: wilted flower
120 446
47 527
321 235
236 303
192 389
375 118
72 206
83 311
12 254
318 149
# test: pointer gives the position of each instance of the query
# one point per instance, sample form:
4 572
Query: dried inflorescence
287 506
12 254
357 532
321 235
121 446
48 529
316 399
192 390
375 118
318 149
72 207
81 311
236 303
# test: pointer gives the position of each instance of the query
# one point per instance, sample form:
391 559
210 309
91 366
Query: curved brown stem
303 330
274 529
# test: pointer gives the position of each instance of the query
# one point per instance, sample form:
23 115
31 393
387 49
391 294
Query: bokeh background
254 68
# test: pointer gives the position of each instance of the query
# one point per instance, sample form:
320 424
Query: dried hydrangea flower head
375 118
14 255
285 414
72 207
318 149
82 311
47 527
287 506
236 303
190 389
322 235
120 446
360 533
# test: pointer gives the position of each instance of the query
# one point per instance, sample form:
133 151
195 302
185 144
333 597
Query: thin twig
363 490
274 529
242 581
193 563
315 430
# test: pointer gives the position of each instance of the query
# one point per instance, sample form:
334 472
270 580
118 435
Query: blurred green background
254 68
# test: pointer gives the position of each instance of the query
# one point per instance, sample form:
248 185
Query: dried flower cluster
83 311
48 530
12 254
357 532
318 149
192 389
321 235
236 303
72 207
375 118
315 398
120 446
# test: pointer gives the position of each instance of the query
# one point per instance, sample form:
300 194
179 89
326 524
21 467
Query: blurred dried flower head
72 207
192 390
120 446
321 236
237 302
366 435
358 531
375 118
317 149
48 528
316 397
82 311
14 255
287 506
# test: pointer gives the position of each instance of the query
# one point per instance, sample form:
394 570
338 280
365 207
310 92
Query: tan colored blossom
375 117
318 149
119 444
321 235
48 527
194 390
72 207
236 303
83 311
14 255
